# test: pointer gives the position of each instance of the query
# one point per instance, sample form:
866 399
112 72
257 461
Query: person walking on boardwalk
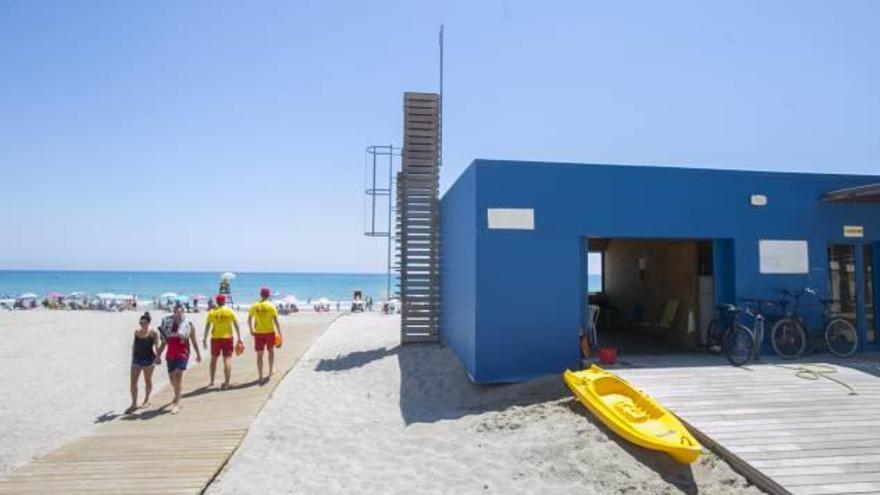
220 322
177 334
144 356
263 323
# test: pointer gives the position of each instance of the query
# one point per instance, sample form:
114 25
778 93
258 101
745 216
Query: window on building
869 294
595 282
842 280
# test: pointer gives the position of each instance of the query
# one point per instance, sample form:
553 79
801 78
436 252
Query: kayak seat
630 411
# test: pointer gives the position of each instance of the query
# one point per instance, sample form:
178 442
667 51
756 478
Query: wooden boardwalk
154 452
785 433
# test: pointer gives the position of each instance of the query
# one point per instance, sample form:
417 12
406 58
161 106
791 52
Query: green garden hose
818 371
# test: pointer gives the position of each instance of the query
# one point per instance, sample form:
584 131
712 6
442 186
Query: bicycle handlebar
739 309
763 306
797 295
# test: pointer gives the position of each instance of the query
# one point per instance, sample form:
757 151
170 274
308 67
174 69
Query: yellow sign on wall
853 231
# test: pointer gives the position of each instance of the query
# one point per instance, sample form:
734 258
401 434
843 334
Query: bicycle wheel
841 337
738 344
788 338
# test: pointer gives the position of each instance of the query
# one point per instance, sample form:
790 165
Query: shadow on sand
434 386
106 417
355 359
680 475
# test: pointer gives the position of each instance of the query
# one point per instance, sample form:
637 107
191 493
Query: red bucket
607 355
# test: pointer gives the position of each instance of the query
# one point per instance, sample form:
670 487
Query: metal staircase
418 218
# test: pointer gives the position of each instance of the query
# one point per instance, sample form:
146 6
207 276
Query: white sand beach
61 374
360 414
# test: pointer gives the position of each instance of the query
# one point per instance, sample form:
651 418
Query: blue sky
229 135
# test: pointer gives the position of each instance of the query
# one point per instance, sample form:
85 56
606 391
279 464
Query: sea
245 286
148 285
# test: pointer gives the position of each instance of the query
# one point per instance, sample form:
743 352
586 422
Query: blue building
673 243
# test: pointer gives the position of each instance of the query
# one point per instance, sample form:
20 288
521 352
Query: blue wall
458 259
511 299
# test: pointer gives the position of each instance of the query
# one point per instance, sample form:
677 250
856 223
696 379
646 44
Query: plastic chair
594 319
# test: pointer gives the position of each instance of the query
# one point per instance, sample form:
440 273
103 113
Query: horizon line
102 270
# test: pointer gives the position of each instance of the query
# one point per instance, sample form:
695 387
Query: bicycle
739 343
724 319
791 334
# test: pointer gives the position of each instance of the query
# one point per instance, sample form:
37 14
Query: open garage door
655 296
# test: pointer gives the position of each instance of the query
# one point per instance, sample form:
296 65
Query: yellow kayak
632 414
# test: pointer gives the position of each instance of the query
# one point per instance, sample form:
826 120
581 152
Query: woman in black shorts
145 354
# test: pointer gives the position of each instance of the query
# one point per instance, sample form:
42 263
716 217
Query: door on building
851 284
870 278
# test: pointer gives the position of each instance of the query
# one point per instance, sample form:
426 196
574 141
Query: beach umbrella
227 276
54 295
181 298
105 295
290 300
28 295
197 297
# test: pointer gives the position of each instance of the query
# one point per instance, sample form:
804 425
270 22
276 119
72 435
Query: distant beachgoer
226 290
144 356
263 323
220 322
177 334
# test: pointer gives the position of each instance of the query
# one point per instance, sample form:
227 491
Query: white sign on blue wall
784 257
511 218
